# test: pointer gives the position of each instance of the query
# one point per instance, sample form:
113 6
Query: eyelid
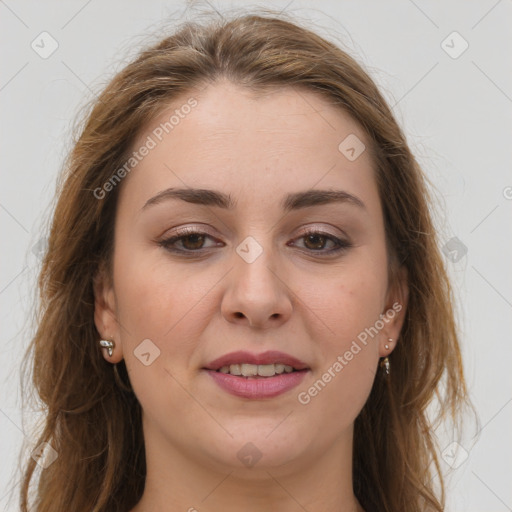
318 229
187 230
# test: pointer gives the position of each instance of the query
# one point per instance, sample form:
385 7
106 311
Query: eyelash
342 245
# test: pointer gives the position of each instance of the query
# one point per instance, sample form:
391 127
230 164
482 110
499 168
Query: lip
257 387
269 357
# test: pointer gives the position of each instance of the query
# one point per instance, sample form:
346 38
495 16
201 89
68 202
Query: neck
190 483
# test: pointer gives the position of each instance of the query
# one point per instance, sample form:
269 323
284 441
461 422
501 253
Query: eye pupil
197 241
318 241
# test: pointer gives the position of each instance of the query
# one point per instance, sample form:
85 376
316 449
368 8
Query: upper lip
269 357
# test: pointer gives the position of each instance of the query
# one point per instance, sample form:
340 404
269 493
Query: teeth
234 369
253 370
249 370
266 370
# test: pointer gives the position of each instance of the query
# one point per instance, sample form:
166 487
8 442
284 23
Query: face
226 242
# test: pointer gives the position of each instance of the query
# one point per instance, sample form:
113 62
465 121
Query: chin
257 446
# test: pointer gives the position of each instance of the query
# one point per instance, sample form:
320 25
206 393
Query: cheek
154 298
337 396
349 305
169 304
344 375
152 304
160 304
346 301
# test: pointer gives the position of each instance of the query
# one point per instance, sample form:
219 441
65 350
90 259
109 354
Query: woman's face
278 270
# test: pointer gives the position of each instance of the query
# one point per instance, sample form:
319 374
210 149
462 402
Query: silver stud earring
385 362
109 345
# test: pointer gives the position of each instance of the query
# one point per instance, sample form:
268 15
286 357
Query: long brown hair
95 426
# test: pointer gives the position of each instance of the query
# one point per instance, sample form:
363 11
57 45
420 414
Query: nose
257 294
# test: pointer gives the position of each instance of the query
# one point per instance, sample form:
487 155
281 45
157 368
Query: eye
317 241
190 240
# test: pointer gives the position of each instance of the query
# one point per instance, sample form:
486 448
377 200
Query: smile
257 376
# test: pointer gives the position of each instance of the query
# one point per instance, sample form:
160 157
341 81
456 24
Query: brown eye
315 241
323 244
192 242
189 242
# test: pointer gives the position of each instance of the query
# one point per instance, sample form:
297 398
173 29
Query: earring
385 364
109 345
386 346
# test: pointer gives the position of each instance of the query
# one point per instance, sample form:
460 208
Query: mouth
266 364
257 376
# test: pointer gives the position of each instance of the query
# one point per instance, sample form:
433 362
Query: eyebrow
295 201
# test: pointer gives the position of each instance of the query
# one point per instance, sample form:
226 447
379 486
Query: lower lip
257 387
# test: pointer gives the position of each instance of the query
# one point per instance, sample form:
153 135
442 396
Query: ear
105 317
394 312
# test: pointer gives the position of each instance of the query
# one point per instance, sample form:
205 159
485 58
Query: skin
291 298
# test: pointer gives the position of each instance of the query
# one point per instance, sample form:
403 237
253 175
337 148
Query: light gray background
455 112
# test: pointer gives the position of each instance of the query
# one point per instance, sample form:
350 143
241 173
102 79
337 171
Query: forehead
285 139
